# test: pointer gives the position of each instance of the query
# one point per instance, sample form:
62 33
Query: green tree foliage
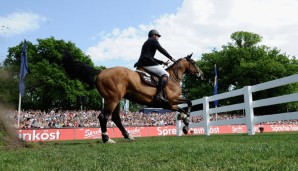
135 107
243 63
47 84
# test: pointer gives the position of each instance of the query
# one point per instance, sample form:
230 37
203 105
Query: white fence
248 105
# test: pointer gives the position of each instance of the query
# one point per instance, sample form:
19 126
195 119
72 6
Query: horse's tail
79 70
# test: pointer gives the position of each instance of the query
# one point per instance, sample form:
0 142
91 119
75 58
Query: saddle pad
147 78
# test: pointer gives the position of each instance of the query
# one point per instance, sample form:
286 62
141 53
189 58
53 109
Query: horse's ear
189 56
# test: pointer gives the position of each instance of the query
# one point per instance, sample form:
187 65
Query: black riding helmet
152 32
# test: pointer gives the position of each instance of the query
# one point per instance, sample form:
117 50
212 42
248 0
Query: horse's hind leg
103 120
117 120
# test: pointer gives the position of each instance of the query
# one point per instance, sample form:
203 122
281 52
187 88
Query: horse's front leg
117 120
184 116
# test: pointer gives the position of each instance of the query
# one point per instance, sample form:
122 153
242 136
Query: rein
175 69
176 74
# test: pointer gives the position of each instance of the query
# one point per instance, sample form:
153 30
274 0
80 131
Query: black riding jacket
148 51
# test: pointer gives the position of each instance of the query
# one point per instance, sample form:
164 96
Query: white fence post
249 110
178 125
206 115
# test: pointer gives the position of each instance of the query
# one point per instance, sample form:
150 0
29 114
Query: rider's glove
165 63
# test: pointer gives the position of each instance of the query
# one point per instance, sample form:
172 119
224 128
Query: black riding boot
159 94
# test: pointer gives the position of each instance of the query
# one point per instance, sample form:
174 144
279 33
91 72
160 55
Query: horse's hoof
185 130
110 141
131 138
128 136
105 137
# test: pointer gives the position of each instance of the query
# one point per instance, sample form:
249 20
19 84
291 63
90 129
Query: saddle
148 77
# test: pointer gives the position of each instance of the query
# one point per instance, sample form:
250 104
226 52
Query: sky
112 32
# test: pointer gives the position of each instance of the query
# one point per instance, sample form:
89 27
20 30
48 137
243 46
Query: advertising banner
63 134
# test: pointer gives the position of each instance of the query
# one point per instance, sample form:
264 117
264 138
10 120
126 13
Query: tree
47 84
245 39
135 107
244 63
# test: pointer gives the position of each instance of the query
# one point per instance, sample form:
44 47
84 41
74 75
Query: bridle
191 63
177 65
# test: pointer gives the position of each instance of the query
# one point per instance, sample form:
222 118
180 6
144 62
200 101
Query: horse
116 83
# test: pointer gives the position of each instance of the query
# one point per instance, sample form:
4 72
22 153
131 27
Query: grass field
265 151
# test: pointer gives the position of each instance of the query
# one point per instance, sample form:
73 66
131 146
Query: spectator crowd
66 119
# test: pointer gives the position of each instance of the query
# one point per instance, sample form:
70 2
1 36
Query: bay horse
116 83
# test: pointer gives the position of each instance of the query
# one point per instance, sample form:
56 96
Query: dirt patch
8 134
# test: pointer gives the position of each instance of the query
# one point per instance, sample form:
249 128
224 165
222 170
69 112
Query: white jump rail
248 105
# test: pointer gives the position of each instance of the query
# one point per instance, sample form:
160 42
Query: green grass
216 152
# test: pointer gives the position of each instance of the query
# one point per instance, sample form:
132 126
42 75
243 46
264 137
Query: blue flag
24 69
215 85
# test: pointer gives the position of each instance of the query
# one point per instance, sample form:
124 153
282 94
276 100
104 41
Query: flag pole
23 71
19 109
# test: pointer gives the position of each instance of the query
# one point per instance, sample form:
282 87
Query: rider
152 64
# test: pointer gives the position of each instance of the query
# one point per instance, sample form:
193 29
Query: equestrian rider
154 65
